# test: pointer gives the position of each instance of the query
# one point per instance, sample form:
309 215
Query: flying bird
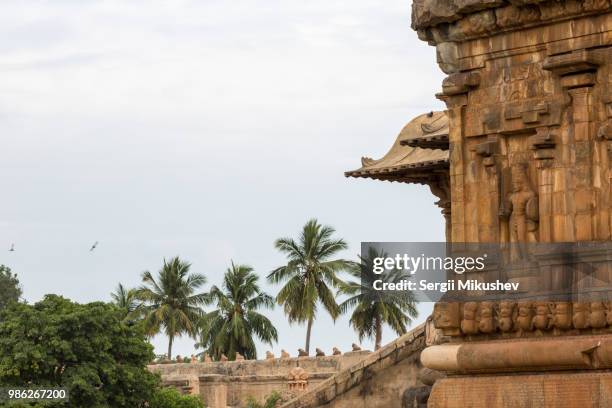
93 246
12 248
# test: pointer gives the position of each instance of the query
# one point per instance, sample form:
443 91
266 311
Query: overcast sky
204 129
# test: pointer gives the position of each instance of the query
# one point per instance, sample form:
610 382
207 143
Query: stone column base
549 390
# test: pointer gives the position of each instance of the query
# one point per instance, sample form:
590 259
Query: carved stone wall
529 106
530 133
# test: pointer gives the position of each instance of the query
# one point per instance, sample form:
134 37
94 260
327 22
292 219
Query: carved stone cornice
440 21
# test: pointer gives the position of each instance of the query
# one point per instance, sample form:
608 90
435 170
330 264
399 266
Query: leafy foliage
10 290
127 301
309 273
374 308
270 402
231 327
88 348
171 302
171 398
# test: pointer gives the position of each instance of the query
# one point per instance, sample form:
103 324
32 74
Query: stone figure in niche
521 209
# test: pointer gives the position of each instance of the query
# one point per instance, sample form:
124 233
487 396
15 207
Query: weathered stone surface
426 13
232 382
559 390
383 379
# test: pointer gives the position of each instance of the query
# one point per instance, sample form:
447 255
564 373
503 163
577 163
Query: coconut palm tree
309 273
230 328
171 302
373 308
126 300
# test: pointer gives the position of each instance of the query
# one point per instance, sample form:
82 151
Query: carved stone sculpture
521 209
486 323
297 379
269 355
542 318
597 317
336 351
505 316
284 354
319 352
223 358
356 347
302 353
469 325
562 316
239 357
580 319
446 318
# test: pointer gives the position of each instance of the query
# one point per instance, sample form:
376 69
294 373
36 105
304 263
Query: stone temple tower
521 157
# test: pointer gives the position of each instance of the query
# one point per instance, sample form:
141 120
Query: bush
171 398
271 401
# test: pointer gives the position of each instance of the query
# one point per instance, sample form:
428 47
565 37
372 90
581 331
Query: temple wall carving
530 143
532 108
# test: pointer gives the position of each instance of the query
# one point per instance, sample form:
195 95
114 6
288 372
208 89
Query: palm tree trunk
170 338
378 324
308 331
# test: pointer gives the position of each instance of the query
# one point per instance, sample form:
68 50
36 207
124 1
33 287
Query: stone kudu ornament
269 355
336 351
297 379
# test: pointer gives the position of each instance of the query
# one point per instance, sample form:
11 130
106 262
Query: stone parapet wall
230 383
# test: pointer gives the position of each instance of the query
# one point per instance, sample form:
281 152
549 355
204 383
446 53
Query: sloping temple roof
407 161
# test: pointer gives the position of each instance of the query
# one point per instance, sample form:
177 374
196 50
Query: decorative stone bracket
572 63
487 151
460 83
543 144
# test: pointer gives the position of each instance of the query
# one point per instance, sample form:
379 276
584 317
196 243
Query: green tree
309 273
171 398
87 348
127 301
171 302
10 290
231 327
373 308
